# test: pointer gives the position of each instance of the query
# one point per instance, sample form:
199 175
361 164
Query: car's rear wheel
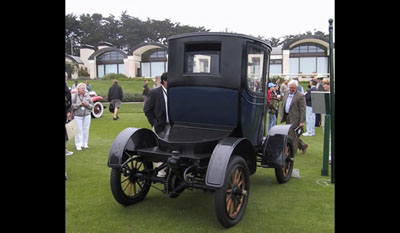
283 174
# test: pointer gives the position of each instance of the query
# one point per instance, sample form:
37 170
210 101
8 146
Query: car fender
130 139
221 155
96 98
274 146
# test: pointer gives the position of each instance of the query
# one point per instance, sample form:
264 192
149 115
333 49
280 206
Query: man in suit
156 108
294 112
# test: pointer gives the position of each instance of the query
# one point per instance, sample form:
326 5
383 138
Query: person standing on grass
272 105
75 85
326 83
299 87
155 108
115 96
156 111
68 104
278 94
88 86
310 116
82 106
146 90
67 111
284 87
294 113
319 87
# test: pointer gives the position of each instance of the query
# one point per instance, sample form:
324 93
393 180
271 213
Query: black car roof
218 34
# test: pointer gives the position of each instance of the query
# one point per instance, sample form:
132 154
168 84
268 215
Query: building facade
146 60
304 57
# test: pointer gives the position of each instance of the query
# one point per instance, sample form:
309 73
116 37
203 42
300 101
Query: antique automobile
98 107
217 138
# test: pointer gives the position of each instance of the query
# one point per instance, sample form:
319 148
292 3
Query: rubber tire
98 115
118 193
280 176
220 194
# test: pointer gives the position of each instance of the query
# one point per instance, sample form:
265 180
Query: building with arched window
147 60
151 59
303 57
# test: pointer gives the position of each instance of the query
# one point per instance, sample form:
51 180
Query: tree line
125 33
129 31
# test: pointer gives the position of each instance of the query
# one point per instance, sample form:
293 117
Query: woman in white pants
82 106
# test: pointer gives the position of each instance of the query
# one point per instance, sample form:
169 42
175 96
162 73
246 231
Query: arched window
308 50
110 62
154 63
308 58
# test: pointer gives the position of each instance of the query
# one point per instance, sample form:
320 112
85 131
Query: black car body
216 106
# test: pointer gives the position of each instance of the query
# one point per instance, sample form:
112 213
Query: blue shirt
288 101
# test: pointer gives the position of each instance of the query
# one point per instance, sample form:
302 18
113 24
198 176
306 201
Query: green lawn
101 86
301 205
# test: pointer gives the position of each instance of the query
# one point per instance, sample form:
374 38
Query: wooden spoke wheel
283 174
235 193
126 187
231 199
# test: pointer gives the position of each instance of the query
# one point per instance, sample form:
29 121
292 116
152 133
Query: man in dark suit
68 104
294 112
156 108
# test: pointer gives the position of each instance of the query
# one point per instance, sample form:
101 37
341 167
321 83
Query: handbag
111 108
72 129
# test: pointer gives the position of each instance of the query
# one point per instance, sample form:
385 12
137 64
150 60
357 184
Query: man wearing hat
319 87
156 108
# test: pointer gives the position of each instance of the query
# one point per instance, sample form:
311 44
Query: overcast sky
268 18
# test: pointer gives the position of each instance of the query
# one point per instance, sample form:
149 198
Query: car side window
255 66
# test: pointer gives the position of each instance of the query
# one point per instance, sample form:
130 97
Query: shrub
133 97
273 78
83 71
113 76
128 97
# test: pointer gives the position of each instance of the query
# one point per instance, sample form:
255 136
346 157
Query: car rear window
202 58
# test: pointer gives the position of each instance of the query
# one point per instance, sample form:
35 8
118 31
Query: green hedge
128 97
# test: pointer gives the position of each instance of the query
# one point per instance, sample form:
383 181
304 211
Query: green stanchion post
332 74
325 158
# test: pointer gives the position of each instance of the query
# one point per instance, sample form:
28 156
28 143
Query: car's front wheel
126 187
231 199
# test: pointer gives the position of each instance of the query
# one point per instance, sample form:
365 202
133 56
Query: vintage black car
217 139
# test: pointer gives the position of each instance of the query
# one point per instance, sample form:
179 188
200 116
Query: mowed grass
301 205
101 86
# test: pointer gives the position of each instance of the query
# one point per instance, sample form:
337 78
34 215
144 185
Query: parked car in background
98 107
